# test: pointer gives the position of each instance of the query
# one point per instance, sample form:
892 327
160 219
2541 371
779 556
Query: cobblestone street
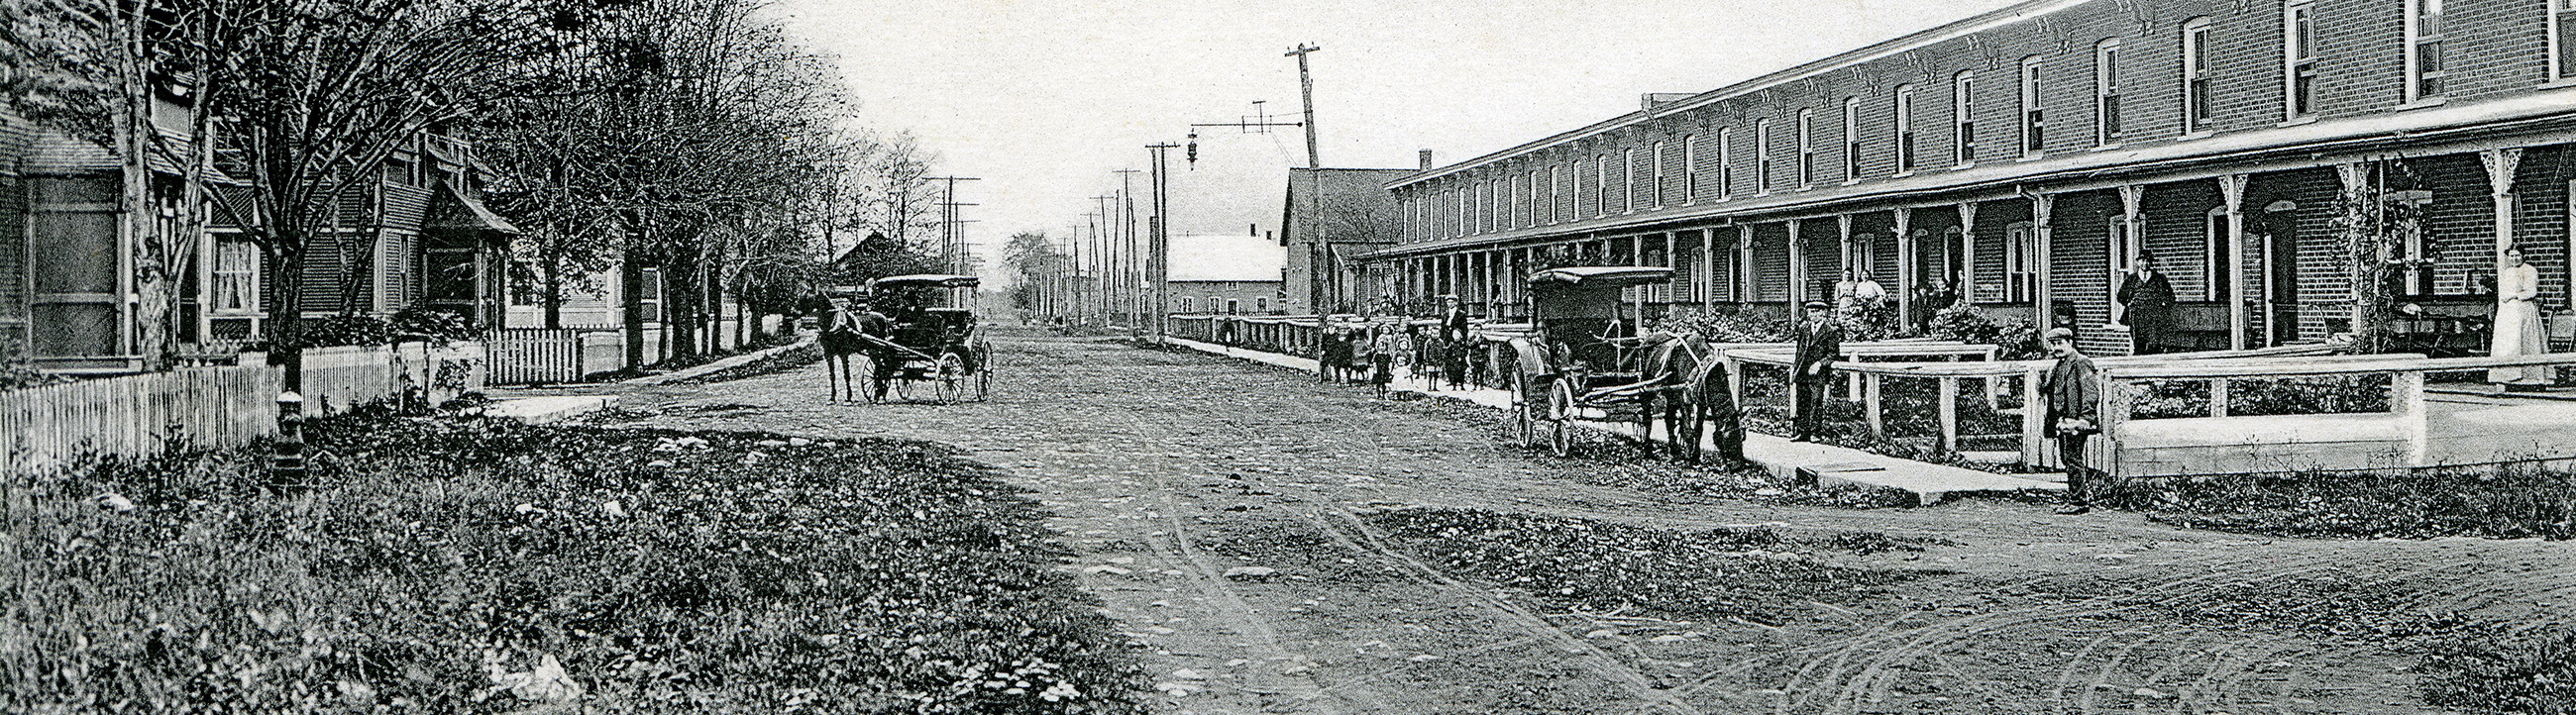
1216 508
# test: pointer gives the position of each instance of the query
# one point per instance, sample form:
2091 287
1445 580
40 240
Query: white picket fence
137 415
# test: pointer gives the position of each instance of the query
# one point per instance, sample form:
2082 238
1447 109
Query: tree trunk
554 289
630 282
286 306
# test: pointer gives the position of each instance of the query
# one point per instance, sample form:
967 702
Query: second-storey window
1690 168
1657 200
2562 39
1601 186
2033 121
1573 189
2195 76
1963 106
1806 148
1904 129
2106 92
2299 45
1851 139
1628 180
2424 61
1725 164
1762 156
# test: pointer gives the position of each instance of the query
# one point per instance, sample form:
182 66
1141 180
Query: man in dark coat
1453 337
1820 342
2149 300
2074 413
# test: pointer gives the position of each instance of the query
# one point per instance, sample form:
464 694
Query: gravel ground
1171 471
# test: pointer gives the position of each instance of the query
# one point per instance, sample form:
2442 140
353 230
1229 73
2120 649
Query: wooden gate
528 356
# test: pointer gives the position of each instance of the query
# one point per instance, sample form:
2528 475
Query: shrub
16 372
1743 326
1964 323
436 324
342 330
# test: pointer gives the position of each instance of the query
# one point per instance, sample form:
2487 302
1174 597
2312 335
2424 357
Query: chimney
1651 100
1426 160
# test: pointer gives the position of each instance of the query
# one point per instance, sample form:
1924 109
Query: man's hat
1817 305
2056 334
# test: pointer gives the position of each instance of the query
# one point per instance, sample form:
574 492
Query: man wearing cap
1820 342
2074 394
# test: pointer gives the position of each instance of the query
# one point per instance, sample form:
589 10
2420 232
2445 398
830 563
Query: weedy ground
428 560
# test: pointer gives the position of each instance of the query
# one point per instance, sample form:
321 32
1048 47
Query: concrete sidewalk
1829 465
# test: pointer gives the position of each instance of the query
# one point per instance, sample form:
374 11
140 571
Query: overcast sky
1044 99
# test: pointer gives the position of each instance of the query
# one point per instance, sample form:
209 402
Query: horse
1693 393
841 339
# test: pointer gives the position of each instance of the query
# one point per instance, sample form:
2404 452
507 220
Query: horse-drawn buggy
914 331
1582 361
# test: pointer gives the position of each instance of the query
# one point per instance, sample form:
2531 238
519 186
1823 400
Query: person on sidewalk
1453 341
2517 325
2148 299
2074 400
1383 347
1820 342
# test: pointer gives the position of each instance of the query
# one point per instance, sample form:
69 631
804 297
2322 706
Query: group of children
1371 353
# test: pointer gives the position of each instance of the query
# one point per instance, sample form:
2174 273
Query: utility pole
1159 238
1306 87
1101 255
1127 263
952 231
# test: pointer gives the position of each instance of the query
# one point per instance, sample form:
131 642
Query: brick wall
1823 242
1771 260
2080 259
2177 234
2540 222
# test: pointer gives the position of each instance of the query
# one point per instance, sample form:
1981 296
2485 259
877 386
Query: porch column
1797 273
2130 196
2500 165
1905 250
1967 278
1637 257
1843 223
1704 272
2231 192
2044 270
1744 285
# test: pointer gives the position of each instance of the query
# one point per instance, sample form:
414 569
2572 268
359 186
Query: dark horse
842 337
1694 393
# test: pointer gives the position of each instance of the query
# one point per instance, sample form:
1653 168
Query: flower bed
444 565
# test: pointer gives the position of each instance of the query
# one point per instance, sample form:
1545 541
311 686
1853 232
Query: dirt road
1221 511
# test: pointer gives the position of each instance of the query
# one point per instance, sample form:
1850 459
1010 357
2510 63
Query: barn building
2033 153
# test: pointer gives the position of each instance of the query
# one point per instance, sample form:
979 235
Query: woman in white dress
2517 321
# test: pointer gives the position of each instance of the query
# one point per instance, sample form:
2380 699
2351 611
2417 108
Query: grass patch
784 361
1746 573
2516 501
2535 674
433 562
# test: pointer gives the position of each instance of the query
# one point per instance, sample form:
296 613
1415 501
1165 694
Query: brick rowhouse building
2035 151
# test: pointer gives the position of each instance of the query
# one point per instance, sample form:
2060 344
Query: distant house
1235 274
1329 217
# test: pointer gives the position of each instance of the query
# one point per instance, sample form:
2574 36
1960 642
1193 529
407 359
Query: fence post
1870 384
1949 406
287 468
2406 397
2034 421
2218 392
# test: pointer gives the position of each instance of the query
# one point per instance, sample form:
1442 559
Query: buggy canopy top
1600 276
927 280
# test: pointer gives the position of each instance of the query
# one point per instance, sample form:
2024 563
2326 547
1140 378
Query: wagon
935 342
1580 360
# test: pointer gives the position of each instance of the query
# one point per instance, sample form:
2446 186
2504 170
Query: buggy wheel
863 371
1560 412
951 385
901 382
984 381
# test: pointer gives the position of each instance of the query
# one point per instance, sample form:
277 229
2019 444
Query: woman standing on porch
2517 324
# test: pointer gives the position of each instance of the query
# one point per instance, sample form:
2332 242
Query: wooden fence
137 415
531 356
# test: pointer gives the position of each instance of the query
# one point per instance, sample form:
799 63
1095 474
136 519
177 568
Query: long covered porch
2257 255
